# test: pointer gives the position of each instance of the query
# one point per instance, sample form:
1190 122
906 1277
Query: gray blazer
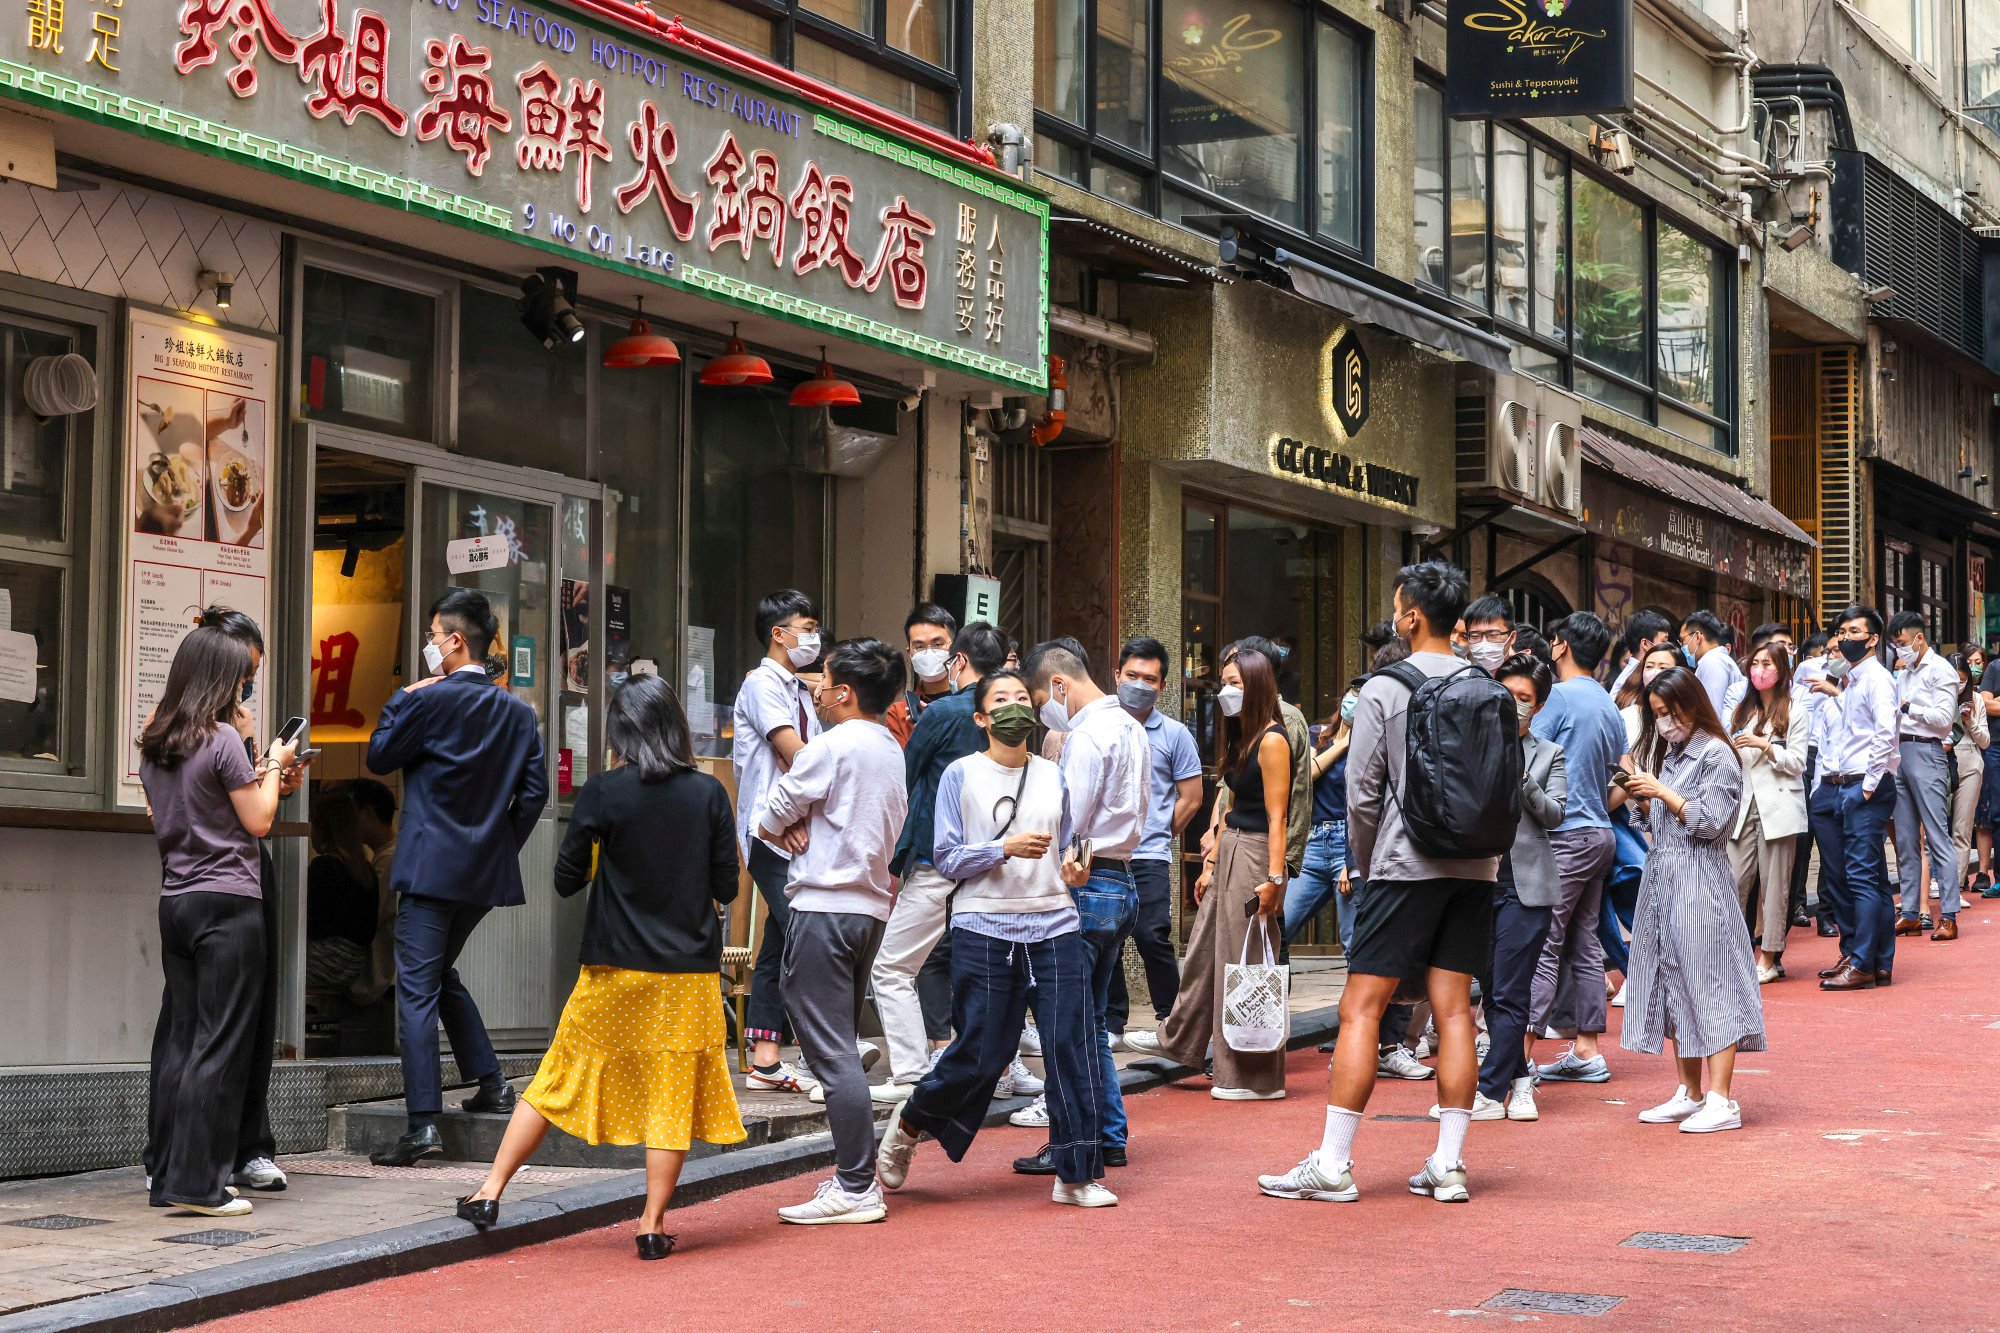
1544 794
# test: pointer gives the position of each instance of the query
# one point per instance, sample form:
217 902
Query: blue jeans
1107 906
1621 891
1318 879
1849 831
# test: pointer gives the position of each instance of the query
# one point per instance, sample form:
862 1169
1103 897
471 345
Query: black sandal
654 1244
482 1213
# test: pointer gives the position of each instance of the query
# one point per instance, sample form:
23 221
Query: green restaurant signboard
596 141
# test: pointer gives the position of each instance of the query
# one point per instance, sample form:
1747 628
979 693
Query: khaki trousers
1242 862
1764 868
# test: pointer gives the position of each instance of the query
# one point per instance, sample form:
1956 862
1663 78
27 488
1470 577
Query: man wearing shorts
1423 917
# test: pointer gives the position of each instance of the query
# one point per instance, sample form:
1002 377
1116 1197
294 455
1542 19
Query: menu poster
576 635
617 629
197 469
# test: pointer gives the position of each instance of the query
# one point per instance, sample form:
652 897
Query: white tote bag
1256 1015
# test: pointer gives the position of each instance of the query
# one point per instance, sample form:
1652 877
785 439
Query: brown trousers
1242 862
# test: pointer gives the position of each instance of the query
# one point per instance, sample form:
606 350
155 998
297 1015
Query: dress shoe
1909 925
499 1101
1800 918
412 1148
481 1213
1826 927
1042 1163
1947 929
1849 978
654 1245
1114 1156
1835 970
1882 978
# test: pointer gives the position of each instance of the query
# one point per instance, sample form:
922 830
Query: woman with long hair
342 896
1642 741
1970 735
1691 981
1324 873
210 805
641 1054
1771 743
1247 867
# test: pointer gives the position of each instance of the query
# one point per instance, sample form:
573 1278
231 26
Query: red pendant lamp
825 389
641 346
737 366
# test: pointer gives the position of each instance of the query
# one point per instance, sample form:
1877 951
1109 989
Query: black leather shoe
1827 929
412 1148
1799 918
1114 1156
480 1212
1042 1163
654 1245
496 1103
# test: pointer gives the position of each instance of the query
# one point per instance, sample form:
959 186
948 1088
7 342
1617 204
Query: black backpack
1461 796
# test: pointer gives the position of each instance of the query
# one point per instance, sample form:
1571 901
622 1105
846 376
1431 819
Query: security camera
910 402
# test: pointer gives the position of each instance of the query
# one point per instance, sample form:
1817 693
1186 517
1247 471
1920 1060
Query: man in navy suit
474 782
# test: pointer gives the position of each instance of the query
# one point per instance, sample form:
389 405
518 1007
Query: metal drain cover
1685 1244
215 1236
60 1222
1552 1302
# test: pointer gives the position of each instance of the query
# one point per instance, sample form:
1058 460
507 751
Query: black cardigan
668 855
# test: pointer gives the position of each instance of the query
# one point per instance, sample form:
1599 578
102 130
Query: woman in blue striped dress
1692 981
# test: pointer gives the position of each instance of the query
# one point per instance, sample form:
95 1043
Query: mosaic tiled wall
116 240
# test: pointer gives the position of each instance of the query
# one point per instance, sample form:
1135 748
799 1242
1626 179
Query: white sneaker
149 1184
1618 1000
1427 1045
1031 1040
1717 1112
1444 1186
1397 1062
1024 1080
260 1173
1308 1180
1572 1068
830 1204
1246 1095
1521 1101
234 1208
1143 1042
870 1053
892 1159
1483 1108
1035 1115
786 1077
1089 1194
890 1093
1671 1111
1115 1040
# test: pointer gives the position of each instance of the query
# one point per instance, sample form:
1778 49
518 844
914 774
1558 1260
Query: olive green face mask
1011 724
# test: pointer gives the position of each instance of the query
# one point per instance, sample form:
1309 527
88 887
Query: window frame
1564 350
792 17
1094 148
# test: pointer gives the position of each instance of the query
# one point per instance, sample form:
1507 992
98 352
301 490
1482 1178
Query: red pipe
642 17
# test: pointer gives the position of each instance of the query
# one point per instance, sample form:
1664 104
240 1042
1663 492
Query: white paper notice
576 739
470 555
6 609
701 671
17 666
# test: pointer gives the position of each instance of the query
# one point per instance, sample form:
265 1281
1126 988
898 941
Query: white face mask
434 659
1672 731
805 648
1905 657
930 663
1055 712
1230 700
1525 710
1488 655
1651 674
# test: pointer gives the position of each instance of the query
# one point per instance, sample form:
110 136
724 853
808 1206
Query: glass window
638 451
1691 336
518 402
856 14
1907 23
36 732
1059 59
719 18
1124 73
923 28
1468 211
1548 179
1510 226
1121 187
1058 158
883 87
1982 61
1430 184
368 354
1610 279
1338 156
1234 98
34 451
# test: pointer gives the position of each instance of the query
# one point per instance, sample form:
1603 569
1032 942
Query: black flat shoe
1827 929
493 1103
481 1213
1113 1156
1042 1163
412 1148
654 1245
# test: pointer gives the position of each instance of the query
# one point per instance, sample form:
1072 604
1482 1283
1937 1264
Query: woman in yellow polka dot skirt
641 1054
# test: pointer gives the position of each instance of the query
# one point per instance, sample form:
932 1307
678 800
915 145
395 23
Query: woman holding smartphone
210 806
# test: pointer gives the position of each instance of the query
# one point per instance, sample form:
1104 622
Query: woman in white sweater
1771 744
1002 824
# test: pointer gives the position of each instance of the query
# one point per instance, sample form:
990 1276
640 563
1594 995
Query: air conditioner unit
1559 416
1499 445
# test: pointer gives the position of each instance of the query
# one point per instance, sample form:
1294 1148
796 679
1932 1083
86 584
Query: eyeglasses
1488 635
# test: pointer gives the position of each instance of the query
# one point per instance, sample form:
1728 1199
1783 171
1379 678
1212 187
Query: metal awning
1122 251
1398 314
1678 481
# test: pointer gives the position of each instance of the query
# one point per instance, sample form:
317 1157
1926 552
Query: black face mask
1854 650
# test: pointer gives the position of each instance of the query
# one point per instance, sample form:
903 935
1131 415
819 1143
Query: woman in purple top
210 805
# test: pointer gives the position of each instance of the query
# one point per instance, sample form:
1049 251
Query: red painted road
1867 1179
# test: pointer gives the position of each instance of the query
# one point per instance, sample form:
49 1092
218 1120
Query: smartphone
304 758
1621 777
290 731
1249 907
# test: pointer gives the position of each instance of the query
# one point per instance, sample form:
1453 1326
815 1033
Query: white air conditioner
1499 445
1559 416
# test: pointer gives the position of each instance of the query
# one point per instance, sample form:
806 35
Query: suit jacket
1775 782
474 782
1544 796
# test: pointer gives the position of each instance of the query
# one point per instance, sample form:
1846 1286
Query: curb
254 1284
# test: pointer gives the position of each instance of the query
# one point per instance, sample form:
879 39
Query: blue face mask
248 687
1688 653
1347 707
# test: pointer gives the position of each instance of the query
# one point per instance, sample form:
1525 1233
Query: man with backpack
1433 781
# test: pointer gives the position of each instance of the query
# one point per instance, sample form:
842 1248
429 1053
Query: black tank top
1246 786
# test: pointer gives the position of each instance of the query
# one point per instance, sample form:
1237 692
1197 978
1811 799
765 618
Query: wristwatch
1279 880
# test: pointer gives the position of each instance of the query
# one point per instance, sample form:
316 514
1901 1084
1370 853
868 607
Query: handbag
1256 1011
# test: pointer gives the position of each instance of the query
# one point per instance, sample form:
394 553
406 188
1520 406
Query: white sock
1336 1149
1453 1121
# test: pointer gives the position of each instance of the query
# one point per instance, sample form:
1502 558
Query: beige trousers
1242 862
1764 868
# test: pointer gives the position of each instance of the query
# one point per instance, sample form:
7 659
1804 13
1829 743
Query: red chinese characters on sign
902 254
746 212
554 127
460 81
655 145
333 682
352 72
255 28
823 205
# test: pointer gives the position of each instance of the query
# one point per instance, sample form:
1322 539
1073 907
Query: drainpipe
1010 143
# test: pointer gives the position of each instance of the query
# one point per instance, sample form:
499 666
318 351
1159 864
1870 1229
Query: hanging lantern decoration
641 346
736 367
825 389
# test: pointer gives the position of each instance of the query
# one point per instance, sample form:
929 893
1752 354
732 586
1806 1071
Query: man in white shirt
1645 631
1107 765
1701 638
1853 802
1812 702
1928 704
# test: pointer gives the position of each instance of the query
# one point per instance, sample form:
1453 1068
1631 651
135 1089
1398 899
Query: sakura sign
605 144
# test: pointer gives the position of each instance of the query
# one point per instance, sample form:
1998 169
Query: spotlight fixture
736 367
1794 236
641 346
825 389
222 284
1966 474
548 306
1878 294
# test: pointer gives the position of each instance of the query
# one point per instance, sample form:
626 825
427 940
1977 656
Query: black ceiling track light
548 306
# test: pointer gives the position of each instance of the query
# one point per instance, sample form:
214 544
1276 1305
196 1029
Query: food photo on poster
171 457
235 470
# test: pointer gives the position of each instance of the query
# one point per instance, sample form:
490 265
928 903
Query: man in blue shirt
1176 798
1568 994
